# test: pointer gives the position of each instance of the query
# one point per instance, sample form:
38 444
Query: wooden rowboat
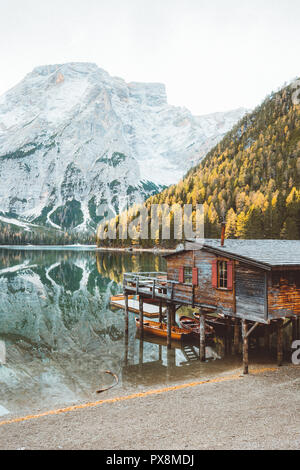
193 325
219 324
161 329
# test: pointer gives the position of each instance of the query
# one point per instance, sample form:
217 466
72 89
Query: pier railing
156 285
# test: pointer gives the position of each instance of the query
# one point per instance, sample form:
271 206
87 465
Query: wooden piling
126 313
294 330
160 313
160 352
228 335
141 351
267 338
126 348
202 337
279 343
141 309
169 330
173 315
236 340
245 347
171 358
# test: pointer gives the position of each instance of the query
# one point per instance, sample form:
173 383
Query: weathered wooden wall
284 293
176 261
204 293
251 296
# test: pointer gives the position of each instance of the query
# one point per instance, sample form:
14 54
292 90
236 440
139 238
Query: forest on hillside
11 234
251 178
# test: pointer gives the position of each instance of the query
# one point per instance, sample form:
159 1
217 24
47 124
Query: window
188 275
222 275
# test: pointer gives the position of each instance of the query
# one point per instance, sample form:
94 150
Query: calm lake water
60 334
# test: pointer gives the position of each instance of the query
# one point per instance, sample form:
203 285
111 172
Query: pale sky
212 55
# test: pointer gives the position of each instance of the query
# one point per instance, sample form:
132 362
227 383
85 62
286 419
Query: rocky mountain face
77 144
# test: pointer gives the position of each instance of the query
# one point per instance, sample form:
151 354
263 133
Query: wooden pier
151 310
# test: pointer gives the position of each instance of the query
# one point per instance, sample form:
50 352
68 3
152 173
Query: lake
59 335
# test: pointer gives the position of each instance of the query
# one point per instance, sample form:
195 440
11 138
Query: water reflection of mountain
59 331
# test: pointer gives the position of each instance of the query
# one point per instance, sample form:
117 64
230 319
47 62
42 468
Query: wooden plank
150 310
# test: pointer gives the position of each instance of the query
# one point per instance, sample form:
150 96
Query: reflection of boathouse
251 283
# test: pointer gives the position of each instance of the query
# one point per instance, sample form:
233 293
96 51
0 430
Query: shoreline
137 250
216 425
86 248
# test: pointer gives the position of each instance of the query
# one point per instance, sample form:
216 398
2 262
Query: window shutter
230 275
214 278
195 276
181 275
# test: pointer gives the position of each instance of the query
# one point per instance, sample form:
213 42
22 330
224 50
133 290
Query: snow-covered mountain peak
74 139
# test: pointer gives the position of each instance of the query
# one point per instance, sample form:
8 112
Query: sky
213 55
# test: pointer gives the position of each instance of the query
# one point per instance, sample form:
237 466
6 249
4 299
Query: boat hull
193 325
161 329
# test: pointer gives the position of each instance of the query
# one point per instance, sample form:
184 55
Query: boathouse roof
266 254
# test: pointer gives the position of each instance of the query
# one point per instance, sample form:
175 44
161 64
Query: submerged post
228 335
160 352
126 313
202 337
141 308
169 331
294 330
245 348
126 349
280 343
267 338
141 351
236 341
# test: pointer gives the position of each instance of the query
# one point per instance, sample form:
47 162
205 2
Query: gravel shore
259 411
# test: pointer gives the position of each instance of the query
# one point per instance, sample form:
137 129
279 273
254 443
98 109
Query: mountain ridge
77 144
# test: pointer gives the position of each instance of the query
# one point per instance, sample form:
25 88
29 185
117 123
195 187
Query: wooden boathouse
251 283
